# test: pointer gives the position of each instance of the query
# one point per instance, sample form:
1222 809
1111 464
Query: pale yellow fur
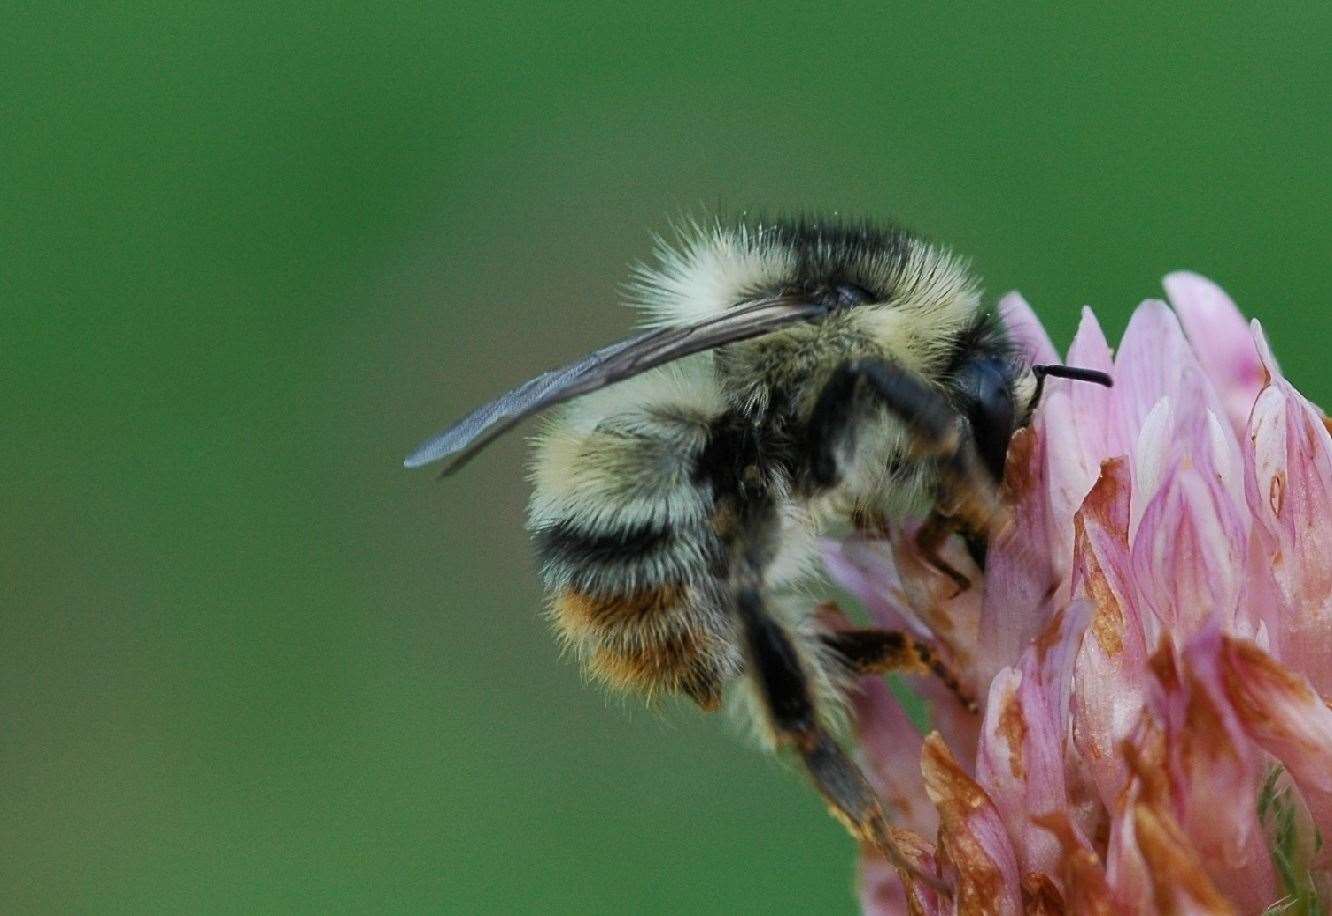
623 454
713 268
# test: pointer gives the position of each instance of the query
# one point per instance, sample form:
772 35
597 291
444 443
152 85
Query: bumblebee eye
984 385
839 294
848 294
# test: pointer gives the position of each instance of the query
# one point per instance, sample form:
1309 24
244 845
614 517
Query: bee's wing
610 364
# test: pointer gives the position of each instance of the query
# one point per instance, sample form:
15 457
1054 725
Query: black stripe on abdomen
615 560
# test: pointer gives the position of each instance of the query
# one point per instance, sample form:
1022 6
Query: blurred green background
252 253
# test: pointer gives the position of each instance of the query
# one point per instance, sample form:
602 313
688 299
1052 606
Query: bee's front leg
968 500
929 538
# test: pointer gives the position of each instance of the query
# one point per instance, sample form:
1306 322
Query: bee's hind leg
865 652
748 526
784 690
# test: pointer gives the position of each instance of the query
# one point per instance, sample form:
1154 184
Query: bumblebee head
998 395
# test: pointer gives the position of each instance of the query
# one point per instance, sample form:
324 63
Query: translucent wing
610 364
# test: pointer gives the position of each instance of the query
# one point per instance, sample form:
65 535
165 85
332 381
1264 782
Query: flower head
1151 643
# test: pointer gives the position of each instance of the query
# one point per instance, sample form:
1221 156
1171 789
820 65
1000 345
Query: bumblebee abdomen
658 640
623 530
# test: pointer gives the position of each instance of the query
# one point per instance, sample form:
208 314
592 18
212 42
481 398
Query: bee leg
930 538
748 525
883 651
937 432
779 676
977 547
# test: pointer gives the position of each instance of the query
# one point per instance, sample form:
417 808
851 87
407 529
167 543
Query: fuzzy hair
627 521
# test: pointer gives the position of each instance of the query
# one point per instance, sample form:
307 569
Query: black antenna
1069 372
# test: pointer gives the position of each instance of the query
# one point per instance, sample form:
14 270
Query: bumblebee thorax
782 372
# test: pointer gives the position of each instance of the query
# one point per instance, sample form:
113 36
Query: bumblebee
794 376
